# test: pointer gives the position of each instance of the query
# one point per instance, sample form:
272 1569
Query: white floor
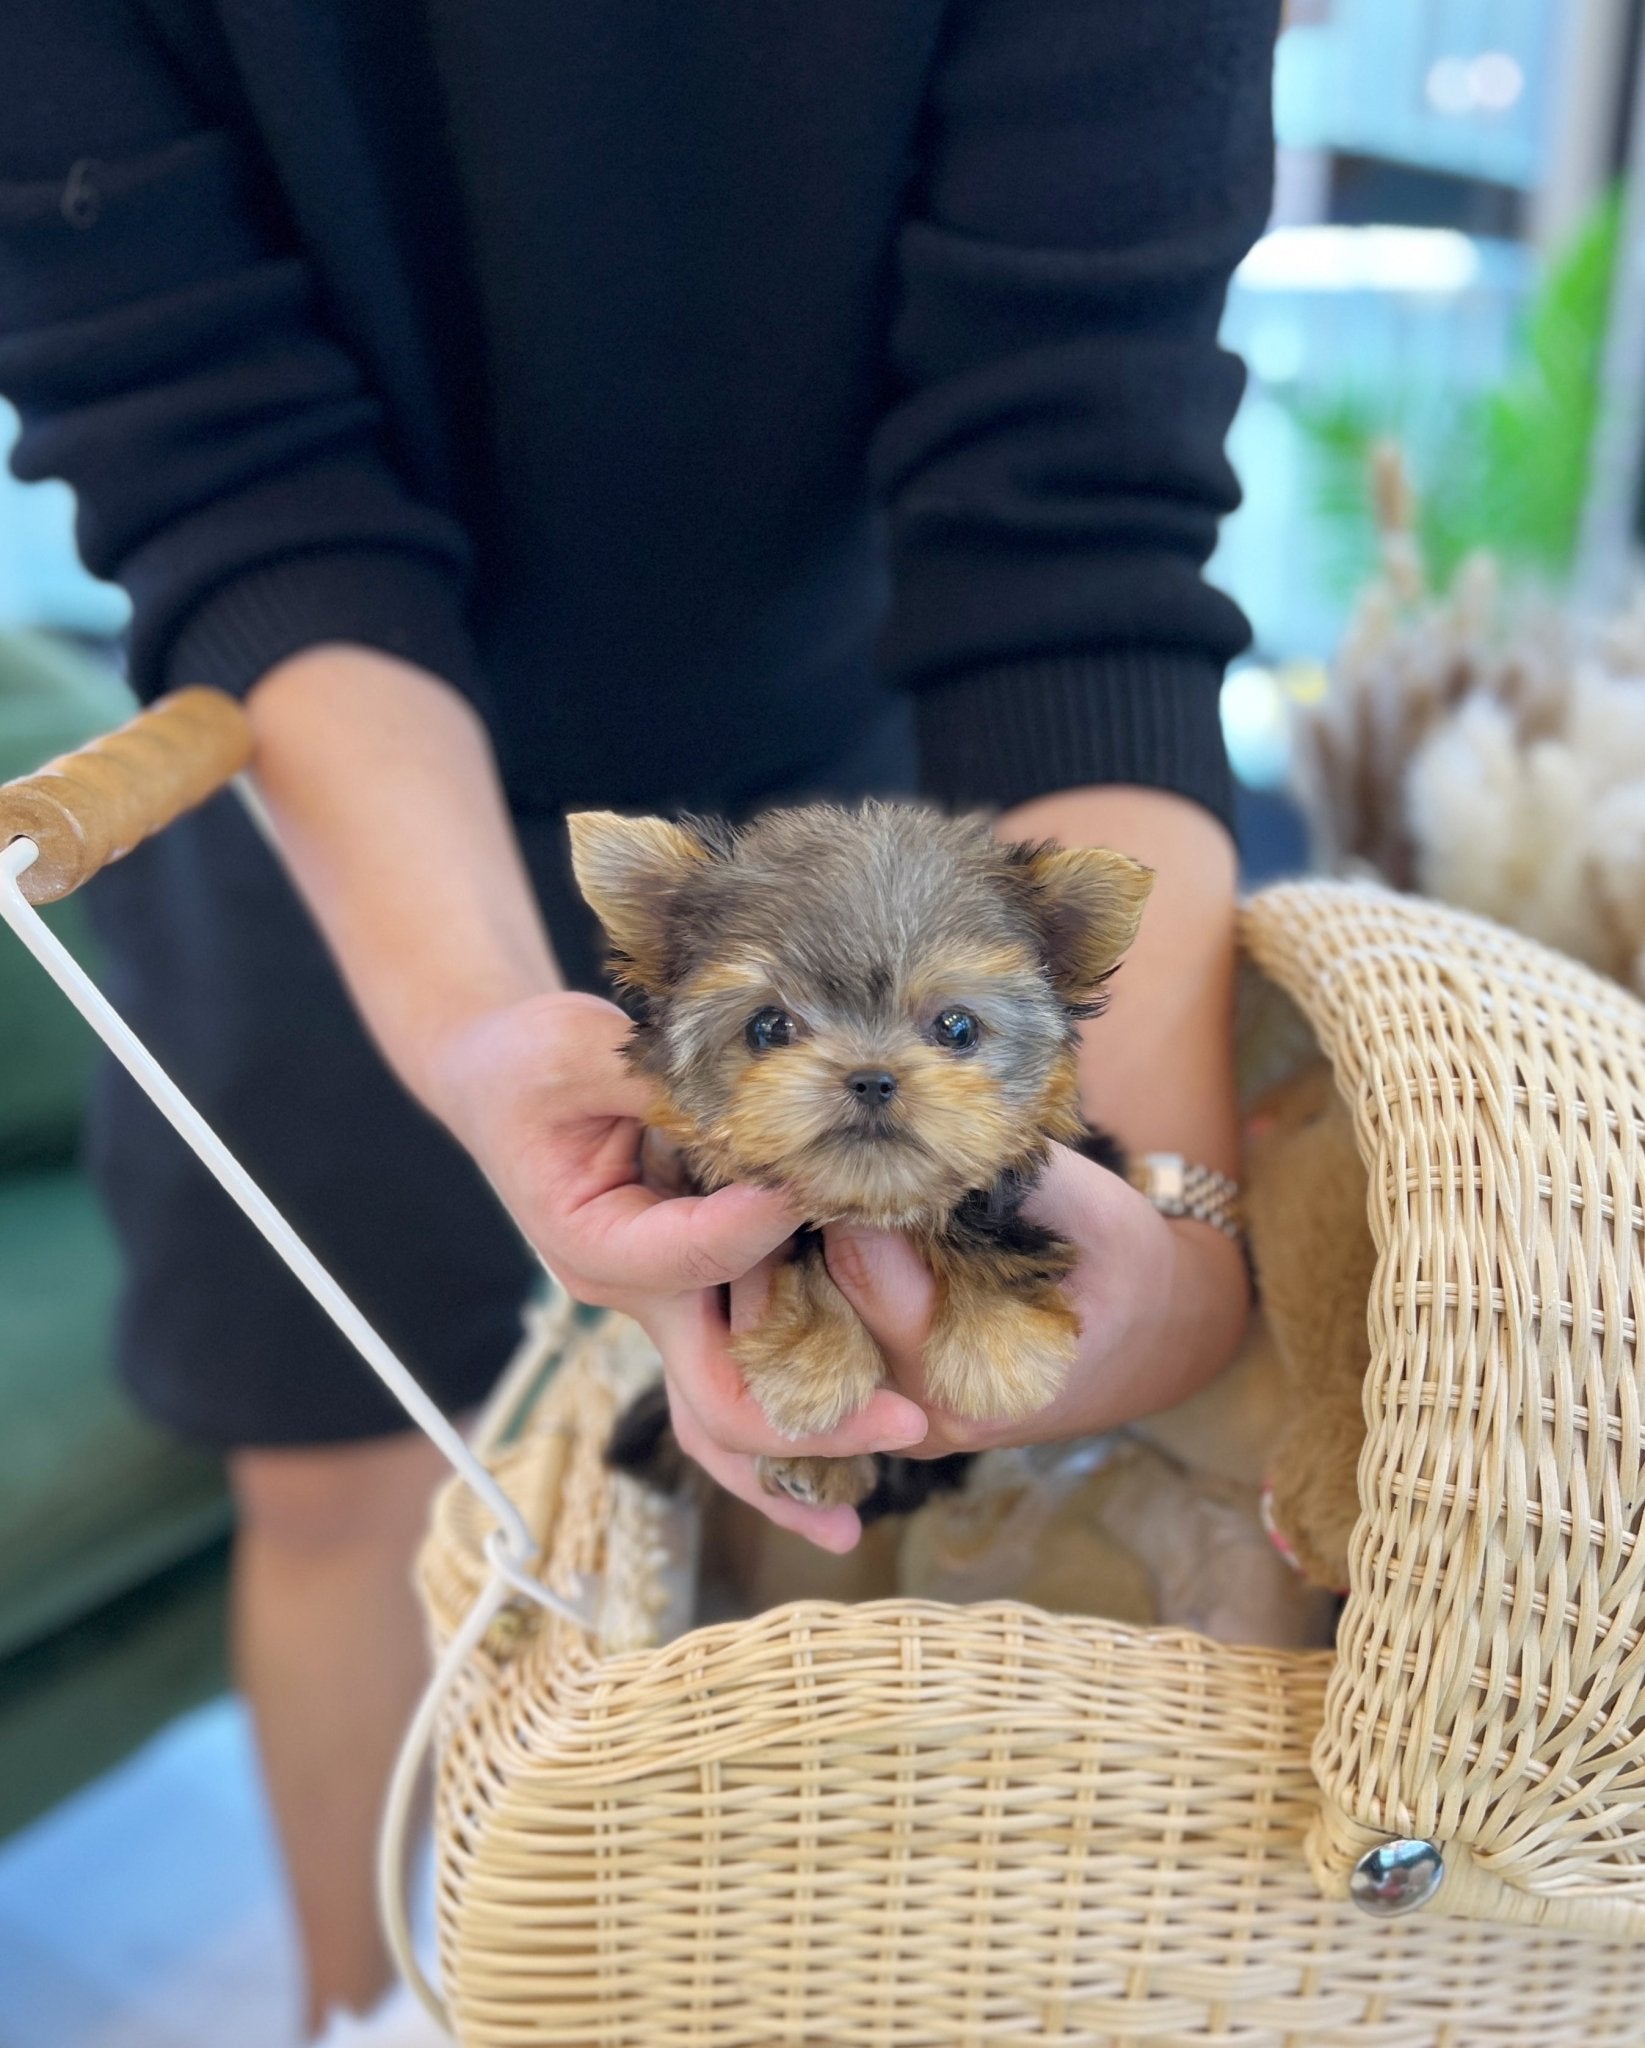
146 1912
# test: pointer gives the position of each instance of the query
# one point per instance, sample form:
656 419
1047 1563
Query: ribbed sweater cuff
1146 716
401 603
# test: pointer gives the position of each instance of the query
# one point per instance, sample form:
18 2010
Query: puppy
876 1011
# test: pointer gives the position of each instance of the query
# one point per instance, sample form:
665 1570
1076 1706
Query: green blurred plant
1504 469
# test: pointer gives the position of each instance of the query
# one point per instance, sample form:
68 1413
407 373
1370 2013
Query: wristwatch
1177 1187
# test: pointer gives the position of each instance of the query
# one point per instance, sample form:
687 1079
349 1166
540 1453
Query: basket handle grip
87 808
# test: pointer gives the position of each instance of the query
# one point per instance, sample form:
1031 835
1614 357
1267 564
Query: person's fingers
691 1334
1112 1227
835 1529
603 1087
662 1166
628 1238
1082 1201
892 1291
565 1054
750 1293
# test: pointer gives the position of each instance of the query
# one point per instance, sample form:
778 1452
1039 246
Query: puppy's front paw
809 1363
997 1357
819 1482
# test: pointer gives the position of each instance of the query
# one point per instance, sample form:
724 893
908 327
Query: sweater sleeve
161 343
1053 465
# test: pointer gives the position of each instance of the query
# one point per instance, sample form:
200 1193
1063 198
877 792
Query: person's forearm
1158 1069
384 795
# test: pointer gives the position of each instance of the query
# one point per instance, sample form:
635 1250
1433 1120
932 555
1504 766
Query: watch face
1162 1177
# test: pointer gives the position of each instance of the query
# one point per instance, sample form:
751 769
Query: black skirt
214 963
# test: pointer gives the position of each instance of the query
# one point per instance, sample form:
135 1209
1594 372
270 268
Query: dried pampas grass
1476 747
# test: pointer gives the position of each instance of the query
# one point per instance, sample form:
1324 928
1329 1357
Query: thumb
688 1242
892 1292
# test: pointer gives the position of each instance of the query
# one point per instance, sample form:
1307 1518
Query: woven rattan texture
910 1826
1488 1688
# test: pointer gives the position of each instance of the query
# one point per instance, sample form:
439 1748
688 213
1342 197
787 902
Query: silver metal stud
1396 1877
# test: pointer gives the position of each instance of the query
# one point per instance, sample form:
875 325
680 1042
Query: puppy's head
873 1009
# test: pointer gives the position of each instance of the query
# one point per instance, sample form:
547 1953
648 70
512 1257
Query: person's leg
330 1652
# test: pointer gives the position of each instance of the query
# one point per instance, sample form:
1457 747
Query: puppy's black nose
872 1085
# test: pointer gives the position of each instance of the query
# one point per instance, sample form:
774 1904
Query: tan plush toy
1305 1198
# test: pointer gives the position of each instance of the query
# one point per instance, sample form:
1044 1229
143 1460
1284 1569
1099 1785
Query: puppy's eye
958 1030
768 1028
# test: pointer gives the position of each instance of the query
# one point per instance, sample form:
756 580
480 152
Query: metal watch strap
1177 1187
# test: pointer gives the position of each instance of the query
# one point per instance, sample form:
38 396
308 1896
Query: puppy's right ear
630 870
1087 903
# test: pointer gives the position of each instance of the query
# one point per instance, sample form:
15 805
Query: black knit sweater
676 377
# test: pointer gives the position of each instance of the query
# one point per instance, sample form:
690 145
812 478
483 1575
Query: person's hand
1162 1306
539 1093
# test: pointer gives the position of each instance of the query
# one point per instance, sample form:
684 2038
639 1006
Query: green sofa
112 1537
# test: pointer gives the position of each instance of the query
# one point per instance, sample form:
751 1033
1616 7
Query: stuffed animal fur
1306 1209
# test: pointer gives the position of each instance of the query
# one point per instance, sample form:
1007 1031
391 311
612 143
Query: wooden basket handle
87 808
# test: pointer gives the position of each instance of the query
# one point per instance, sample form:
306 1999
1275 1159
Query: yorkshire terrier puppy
876 1011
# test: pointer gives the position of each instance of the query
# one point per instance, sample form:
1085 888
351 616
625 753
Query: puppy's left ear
1086 904
631 870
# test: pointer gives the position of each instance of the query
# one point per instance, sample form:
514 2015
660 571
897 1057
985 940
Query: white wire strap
546 1326
393 1849
393 1856
510 1550
184 1118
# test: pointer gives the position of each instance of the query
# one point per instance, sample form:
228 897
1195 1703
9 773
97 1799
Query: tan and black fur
879 937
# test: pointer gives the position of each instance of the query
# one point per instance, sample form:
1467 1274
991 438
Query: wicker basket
901 1824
